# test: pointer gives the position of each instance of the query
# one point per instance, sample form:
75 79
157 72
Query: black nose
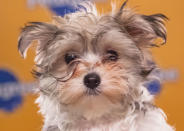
92 80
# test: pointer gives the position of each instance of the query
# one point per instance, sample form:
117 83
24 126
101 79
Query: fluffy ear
143 29
42 32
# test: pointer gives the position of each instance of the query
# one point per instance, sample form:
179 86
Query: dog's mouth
93 92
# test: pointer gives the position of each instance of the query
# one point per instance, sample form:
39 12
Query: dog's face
91 63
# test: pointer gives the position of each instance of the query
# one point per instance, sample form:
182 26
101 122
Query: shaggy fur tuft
114 46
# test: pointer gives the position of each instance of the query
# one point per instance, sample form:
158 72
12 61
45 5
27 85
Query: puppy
91 69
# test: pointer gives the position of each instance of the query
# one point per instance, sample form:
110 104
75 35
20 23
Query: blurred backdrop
17 109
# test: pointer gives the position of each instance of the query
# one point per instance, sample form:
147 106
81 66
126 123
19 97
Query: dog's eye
70 57
112 55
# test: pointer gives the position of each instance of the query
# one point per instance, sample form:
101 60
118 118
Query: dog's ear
42 32
143 29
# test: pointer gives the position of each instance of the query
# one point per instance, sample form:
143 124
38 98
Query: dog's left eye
112 55
70 57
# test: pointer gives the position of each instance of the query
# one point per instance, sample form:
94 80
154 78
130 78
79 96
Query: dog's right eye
112 55
69 58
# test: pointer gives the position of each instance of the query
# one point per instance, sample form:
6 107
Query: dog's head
90 62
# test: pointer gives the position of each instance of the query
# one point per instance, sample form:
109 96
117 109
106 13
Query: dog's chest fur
152 120
140 116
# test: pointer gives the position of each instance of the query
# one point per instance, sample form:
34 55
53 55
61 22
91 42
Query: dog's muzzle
92 80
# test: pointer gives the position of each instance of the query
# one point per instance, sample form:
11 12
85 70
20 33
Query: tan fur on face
112 86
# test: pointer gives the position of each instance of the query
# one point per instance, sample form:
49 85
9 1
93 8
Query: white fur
115 120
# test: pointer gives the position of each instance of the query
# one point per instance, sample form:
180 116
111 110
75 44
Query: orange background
14 14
